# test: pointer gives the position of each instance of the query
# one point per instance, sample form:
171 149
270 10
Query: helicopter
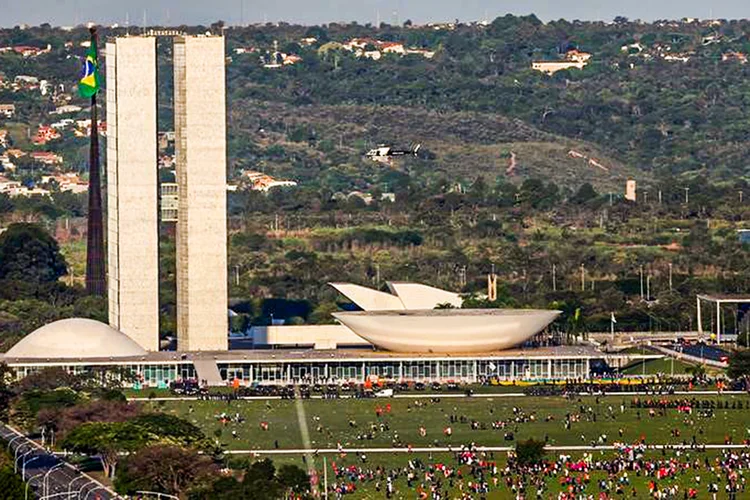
385 154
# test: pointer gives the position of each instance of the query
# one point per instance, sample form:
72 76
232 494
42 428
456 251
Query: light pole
158 495
45 487
97 488
28 483
670 276
583 278
27 462
70 484
80 490
13 439
554 277
15 460
641 274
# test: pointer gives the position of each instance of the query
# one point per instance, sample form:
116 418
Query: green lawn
666 366
366 489
329 421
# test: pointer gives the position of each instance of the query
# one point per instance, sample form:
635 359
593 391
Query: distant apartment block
7 110
168 201
630 190
573 59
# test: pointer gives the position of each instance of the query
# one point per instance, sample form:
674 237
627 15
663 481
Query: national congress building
415 332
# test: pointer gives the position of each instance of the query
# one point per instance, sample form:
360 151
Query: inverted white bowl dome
75 338
447 330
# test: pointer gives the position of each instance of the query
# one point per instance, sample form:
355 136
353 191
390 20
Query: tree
6 204
294 479
585 194
165 469
5 392
94 411
170 429
106 440
529 452
260 481
11 486
29 254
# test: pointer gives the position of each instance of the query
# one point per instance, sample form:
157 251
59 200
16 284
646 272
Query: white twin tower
132 190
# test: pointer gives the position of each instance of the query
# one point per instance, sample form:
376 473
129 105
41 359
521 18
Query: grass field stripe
302 419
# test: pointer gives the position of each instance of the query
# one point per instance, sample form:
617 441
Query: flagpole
95 278
612 326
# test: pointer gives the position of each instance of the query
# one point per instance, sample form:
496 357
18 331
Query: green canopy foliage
28 254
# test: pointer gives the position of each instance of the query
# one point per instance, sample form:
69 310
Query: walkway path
489 395
450 449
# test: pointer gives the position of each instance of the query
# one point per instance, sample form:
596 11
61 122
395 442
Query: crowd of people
471 474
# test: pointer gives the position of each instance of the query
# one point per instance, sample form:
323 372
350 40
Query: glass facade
342 371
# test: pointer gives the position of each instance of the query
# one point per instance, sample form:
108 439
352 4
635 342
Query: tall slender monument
89 87
132 202
200 147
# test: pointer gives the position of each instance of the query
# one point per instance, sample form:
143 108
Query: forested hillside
659 99
517 170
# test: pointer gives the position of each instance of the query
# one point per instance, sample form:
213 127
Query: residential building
168 201
45 134
67 182
735 57
574 59
630 190
65 109
46 157
392 48
26 81
7 110
258 181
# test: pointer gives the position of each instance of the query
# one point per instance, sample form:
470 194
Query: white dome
75 338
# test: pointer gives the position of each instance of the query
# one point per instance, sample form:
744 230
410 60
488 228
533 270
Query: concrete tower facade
132 205
200 148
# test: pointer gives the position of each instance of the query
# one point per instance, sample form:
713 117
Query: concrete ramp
207 370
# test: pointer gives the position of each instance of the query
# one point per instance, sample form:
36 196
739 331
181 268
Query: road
47 475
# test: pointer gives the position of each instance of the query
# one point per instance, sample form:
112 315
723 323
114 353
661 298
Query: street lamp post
80 490
27 462
21 458
13 439
15 455
45 487
28 483
158 495
70 484
97 488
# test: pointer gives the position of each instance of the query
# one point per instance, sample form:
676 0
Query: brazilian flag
89 84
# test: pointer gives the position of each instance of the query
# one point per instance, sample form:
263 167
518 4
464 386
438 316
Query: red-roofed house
392 47
46 157
44 135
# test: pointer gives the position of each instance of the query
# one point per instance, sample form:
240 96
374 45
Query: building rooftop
75 338
312 355
448 312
